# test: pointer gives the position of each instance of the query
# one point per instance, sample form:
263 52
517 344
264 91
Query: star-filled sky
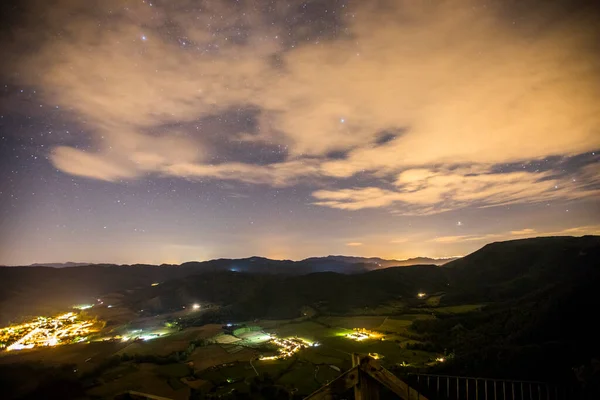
151 131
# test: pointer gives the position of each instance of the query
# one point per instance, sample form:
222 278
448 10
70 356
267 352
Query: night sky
167 131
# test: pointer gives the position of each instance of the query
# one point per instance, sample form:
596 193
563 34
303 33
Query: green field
239 371
272 323
302 377
393 353
255 338
173 370
464 308
324 355
308 330
390 308
433 301
86 356
214 355
325 374
140 377
366 322
394 325
162 346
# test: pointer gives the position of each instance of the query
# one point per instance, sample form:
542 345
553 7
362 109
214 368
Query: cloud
279 174
526 231
464 238
575 231
423 191
126 156
354 244
77 162
460 84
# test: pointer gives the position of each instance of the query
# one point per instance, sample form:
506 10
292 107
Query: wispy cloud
465 238
527 232
424 191
354 244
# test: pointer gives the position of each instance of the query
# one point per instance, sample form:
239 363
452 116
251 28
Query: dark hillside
544 321
35 290
508 270
270 296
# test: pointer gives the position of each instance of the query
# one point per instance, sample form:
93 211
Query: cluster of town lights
287 347
363 334
52 331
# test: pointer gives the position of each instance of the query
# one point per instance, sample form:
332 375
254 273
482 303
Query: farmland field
367 322
160 346
393 353
326 356
309 330
84 355
302 377
225 364
433 301
394 325
238 371
141 377
211 355
389 308
273 367
465 308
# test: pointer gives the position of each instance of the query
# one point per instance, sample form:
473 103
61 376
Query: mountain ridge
349 259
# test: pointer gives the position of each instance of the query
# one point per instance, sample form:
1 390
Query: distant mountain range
45 288
321 261
60 265
381 262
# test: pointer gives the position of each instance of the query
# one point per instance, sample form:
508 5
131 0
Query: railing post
476 389
467 388
513 390
530 391
485 388
522 391
495 391
437 391
457 389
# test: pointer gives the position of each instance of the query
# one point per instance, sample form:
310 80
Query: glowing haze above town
163 132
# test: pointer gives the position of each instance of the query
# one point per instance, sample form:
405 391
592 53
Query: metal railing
445 387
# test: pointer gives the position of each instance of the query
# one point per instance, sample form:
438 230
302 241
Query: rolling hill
43 289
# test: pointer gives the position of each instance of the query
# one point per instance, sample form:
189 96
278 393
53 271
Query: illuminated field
52 331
